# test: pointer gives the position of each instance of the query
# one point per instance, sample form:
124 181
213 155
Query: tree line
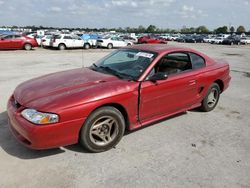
149 29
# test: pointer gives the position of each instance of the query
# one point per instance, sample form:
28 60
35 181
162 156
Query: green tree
141 29
232 29
241 29
151 29
202 29
221 29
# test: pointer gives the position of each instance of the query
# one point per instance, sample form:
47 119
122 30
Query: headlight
39 117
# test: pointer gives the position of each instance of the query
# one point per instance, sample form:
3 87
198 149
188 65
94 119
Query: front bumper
42 136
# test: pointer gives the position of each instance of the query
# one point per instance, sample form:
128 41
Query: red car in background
128 89
16 41
151 40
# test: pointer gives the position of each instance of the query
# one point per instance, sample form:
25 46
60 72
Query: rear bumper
43 136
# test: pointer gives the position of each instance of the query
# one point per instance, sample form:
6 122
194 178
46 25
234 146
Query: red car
151 40
128 89
16 41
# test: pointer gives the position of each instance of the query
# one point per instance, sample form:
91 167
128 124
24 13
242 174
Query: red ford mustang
16 41
128 89
151 40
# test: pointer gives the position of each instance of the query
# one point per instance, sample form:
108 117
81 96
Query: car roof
159 48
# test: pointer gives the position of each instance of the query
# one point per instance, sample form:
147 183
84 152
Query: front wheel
61 47
211 99
86 46
110 46
27 47
103 129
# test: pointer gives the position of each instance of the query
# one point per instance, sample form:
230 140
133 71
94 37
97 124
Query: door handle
192 82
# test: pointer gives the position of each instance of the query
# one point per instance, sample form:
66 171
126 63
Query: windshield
125 63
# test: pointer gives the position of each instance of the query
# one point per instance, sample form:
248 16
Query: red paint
16 43
74 94
151 40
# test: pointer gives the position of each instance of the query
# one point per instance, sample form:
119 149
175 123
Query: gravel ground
192 149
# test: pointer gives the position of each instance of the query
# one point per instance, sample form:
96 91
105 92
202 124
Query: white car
46 41
64 41
113 42
245 40
217 40
209 39
37 37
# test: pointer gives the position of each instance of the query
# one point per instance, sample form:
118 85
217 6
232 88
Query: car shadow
11 146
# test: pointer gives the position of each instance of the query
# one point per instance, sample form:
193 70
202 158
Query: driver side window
174 63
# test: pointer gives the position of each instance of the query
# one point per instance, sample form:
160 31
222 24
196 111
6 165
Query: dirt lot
193 149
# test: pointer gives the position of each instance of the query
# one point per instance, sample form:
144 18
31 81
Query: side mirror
158 76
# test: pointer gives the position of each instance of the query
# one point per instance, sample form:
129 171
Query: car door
177 92
121 42
6 42
68 41
77 42
17 42
115 42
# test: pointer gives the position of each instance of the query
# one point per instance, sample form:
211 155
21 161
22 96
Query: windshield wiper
112 71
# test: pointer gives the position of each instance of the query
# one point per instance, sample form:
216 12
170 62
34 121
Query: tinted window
197 61
8 37
57 36
174 63
17 37
67 37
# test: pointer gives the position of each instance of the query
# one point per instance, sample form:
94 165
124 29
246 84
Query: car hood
59 87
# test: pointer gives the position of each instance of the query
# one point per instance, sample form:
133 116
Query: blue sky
125 13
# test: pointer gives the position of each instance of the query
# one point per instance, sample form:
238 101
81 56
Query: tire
110 46
86 46
211 99
61 47
102 130
27 46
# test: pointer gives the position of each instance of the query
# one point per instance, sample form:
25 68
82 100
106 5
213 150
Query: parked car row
64 41
217 39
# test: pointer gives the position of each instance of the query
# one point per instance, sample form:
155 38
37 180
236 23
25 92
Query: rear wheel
27 47
211 99
103 129
110 46
61 47
86 46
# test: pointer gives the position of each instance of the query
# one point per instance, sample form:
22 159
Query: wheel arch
27 43
122 109
221 84
61 43
119 107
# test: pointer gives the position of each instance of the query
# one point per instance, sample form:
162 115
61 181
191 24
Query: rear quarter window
197 61
67 37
